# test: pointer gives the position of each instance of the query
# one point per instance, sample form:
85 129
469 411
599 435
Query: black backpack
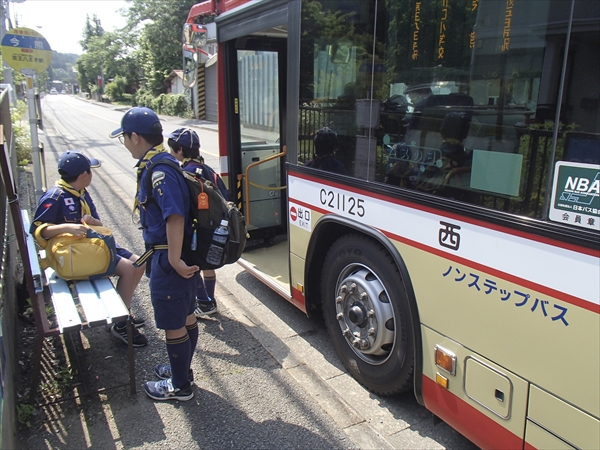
205 218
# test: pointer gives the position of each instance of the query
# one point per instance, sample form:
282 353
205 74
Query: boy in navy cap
64 207
185 147
163 208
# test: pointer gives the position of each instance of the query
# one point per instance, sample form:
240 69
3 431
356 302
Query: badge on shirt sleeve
69 201
157 177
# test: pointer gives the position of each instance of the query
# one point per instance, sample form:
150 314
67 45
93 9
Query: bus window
385 83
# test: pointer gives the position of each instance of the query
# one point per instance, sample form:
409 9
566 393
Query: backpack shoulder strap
150 170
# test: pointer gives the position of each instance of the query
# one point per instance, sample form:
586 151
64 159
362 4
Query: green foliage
92 29
143 98
21 132
168 104
57 385
116 89
25 412
109 55
144 53
158 38
172 105
61 69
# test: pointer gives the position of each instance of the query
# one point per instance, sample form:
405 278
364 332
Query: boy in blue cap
163 209
64 207
185 147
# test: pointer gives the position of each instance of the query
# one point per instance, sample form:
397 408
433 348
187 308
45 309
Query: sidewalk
232 369
254 390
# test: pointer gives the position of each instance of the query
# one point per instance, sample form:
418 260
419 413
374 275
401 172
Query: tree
144 52
93 29
110 54
158 27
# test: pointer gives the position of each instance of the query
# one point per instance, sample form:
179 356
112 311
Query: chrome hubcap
365 314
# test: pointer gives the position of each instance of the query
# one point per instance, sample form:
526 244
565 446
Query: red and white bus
456 251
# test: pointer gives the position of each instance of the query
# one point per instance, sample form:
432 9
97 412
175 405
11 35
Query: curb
346 417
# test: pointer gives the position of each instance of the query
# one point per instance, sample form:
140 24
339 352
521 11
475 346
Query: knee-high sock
201 293
193 334
179 357
209 284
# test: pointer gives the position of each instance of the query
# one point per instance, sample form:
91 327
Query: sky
61 22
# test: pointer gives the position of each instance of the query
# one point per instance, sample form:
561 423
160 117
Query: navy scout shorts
122 253
173 297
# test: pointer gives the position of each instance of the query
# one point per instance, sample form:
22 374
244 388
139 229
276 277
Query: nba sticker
156 177
300 217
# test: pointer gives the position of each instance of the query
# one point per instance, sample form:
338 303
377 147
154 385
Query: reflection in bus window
384 78
326 143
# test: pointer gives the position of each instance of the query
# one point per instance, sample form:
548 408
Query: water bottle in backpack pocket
217 246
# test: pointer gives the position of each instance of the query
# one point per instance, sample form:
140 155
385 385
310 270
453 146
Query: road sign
23 48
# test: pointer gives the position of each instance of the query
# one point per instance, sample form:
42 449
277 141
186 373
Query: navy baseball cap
139 120
73 163
185 137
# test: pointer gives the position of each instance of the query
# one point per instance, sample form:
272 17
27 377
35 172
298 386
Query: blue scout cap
185 137
73 163
139 120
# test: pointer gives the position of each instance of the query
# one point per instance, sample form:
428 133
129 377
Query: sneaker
204 309
163 371
164 390
139 340
137 323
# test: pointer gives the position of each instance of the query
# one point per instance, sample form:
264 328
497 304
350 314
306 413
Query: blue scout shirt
58 206
170 194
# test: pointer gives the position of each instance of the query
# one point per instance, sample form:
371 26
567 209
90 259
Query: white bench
78 305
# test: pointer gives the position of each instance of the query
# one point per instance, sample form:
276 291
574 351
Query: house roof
174 74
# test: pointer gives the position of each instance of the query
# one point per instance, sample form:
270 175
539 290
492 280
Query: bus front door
256 151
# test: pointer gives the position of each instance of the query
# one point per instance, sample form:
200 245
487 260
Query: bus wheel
367 314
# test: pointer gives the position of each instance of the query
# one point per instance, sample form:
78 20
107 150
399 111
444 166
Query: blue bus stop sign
23 48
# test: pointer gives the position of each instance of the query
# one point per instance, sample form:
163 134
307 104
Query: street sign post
23 48
28 51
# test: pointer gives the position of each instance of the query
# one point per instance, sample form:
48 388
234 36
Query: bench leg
130 355
37 367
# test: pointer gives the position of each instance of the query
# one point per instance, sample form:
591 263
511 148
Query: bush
21 132
116 89
168 104
172 104
143 98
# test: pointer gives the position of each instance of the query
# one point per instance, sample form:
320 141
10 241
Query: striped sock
201 293
179 357
209 284
193 334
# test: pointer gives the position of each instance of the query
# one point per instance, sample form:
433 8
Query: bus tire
367 314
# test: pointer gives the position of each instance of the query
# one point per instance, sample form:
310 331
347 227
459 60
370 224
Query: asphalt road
266 375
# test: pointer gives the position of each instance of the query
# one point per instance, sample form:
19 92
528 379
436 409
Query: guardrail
8 274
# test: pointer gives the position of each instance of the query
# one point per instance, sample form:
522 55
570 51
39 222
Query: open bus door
253 44
256 78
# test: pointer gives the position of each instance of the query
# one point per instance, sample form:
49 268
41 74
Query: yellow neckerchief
141 165
85 208
199 160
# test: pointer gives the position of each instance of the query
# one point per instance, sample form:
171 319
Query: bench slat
114 305
36 272
93 308
67 316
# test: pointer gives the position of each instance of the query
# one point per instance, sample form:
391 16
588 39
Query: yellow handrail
247 181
